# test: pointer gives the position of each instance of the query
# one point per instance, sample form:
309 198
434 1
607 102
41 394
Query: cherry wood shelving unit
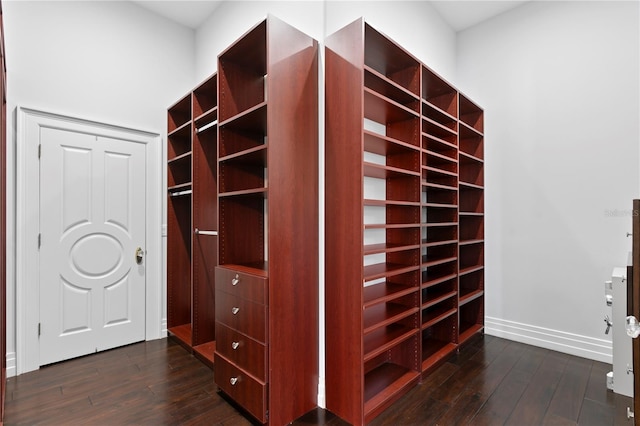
192 224
266 355
404 282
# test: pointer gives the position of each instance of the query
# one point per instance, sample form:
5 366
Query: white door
92 225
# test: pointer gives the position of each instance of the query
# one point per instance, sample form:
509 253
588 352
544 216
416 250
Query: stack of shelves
378 209
404 199
471 217
440 218
267 281
192 219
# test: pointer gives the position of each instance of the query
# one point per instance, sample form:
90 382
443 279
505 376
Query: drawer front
242 315
242 388
243 351
251 287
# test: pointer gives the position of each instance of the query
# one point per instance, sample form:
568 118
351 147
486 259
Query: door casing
29 122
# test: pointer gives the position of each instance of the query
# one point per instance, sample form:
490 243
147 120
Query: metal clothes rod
179 193
199 232
206 126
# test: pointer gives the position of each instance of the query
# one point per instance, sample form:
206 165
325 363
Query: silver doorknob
139 254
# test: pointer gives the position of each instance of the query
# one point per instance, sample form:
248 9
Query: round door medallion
96 255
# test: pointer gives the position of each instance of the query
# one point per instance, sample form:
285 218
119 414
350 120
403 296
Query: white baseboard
11 364
573 344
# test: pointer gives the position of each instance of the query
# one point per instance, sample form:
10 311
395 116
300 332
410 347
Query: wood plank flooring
491 381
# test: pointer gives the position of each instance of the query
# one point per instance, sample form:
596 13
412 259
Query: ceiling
463 14
459 14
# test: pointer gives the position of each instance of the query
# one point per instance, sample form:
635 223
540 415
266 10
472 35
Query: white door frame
29 122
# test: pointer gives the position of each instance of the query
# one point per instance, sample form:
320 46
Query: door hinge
39 329
39 151
39 241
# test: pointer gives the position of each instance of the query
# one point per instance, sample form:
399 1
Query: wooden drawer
251 287
244 389
243 315
243 351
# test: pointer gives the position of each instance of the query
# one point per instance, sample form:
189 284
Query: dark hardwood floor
491 381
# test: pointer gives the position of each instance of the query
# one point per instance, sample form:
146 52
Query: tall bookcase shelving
192 219
266 355
404 210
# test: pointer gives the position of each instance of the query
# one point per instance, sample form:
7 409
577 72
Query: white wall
414 25
233 18
560 87
112 62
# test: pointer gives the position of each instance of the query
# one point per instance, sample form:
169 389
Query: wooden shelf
380 84
179 114
387 248
381 109
384 339
385 384
382 270
204 352
385 292
470 296
471 114
182 333
434 352
439 93
436 297
433 317
438 280
383 314
260 192
470 269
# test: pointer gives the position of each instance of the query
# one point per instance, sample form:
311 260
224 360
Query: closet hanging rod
179 193
199 232
206 126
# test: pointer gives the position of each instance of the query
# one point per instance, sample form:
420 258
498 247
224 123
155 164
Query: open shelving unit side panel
292 170
205 210
179 261
344 59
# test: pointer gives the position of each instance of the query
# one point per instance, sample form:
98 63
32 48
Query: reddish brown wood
240 314
247 286
268 207
242 350
431 186
246 390
192 207
204 352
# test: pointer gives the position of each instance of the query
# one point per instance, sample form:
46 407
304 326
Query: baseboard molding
11 364
573 344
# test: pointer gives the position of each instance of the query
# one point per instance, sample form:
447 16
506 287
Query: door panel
92 220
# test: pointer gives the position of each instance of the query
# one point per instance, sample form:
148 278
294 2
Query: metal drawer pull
235 310
233 381
235 281
235 345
